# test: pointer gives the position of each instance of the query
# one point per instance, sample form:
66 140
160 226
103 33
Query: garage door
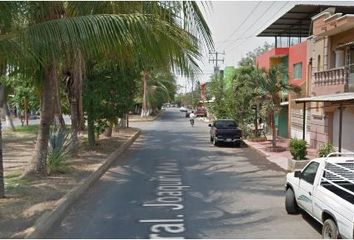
347 130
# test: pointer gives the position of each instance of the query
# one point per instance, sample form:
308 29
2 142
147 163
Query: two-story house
332 56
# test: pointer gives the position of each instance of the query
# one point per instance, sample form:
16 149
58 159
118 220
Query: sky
235 25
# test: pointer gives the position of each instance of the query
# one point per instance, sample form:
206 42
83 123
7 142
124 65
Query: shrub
325 149
257 139
58 150
298 148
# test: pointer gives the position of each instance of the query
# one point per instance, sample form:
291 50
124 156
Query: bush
58 150
298 148
257 139
325 149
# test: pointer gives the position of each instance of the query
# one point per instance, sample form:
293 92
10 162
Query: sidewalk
279 158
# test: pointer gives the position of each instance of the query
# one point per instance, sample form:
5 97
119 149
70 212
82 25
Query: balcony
334 76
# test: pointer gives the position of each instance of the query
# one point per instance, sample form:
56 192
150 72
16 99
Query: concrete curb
48 219
146 120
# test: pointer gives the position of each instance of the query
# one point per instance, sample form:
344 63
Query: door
347 130
307 178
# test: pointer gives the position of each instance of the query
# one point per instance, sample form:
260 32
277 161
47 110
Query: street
174 183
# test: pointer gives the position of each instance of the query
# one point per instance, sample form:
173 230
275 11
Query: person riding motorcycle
191 118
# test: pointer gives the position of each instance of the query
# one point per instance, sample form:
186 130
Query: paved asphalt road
174 183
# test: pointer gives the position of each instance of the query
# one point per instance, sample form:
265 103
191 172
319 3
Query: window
297 71
225 124
309 173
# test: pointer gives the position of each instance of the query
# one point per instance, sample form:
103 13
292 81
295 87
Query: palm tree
49 37
161 88
270 85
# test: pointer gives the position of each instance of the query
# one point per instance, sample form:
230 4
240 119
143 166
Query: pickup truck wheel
290 202
330 230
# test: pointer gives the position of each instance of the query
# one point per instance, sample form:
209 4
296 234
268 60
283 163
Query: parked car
225 130
325 189
201 112
183 109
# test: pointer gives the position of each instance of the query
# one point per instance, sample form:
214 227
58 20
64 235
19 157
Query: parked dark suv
225 130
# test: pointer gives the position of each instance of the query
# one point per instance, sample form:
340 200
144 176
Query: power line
216 59
261 27
258 18
244 20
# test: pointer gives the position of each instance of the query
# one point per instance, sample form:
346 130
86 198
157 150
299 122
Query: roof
339 97
297 21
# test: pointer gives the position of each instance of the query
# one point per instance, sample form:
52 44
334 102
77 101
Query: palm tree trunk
75 98
2 182
6 111
8 117
57 107
145 112
8 114
38 164
79 70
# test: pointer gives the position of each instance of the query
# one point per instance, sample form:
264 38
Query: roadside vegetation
95 62
252 97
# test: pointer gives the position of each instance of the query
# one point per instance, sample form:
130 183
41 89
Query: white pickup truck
325 189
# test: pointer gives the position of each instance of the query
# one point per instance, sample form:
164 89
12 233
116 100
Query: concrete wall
298 54
268 58
318 55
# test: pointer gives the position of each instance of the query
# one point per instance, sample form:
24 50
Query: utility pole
216 60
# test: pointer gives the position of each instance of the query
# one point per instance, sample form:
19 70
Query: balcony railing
334 76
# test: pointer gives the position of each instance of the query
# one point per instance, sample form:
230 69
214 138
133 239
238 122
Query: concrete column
339 58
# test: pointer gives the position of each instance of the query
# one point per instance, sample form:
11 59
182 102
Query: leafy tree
218 93
46 38
250 59
23 95
270 85
115 96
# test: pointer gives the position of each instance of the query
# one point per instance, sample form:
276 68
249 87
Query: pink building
294 58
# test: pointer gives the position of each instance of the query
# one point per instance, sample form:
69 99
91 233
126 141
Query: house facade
265 61
332 59
323 66
289 119
299 75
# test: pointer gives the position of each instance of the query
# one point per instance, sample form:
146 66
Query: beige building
332 58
